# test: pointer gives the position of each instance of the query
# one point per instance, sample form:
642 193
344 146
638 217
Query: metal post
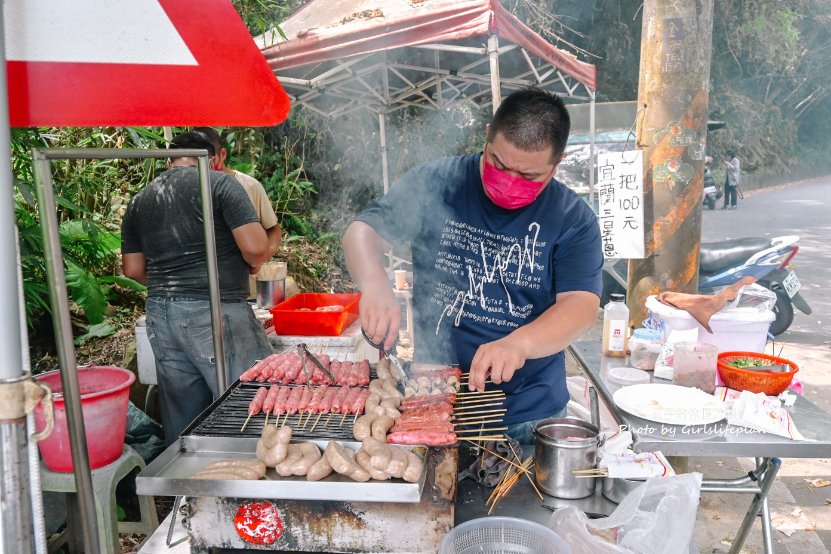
673 95
592 159
60 305
10 344
385 172
66 351
493 54
765 482
15 508
213 274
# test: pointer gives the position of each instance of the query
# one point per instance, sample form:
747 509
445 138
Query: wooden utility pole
673 94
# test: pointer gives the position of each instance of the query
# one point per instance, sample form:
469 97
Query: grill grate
225 417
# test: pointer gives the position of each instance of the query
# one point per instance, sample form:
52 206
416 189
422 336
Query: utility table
717 440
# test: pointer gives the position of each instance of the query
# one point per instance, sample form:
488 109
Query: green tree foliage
770 74
89 196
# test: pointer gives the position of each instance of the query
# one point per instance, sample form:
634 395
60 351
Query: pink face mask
508 191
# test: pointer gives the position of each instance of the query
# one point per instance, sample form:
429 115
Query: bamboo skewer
476 406
342 420
478 393
509 481
266 419
315 423
246 423
485 438
481 430
479 397
476 421
476 412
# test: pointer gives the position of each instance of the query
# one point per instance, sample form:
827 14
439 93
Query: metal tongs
388 353
304 353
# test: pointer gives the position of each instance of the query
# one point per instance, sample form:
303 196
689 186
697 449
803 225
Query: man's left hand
500 359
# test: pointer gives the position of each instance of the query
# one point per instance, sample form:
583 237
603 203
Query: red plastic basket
755 381
298 315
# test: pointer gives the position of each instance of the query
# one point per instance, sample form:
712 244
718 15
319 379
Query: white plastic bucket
742 329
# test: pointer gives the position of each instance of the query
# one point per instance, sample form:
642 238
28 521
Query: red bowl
768 383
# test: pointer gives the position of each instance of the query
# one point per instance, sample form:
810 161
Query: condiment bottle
644 348
615 323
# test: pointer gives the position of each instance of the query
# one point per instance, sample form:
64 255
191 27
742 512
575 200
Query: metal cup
560 447
270 293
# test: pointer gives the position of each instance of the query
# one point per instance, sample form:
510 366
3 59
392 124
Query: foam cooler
743 329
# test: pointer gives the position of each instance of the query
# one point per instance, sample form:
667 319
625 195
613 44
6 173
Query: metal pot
270 293
615 489
560 447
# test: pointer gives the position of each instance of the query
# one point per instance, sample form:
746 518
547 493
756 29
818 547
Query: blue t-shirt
481 271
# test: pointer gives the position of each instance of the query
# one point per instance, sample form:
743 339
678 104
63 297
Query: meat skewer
293 402
360 402
270 399
339 398
256 405
280 401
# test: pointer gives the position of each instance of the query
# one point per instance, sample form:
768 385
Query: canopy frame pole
592 153
493 54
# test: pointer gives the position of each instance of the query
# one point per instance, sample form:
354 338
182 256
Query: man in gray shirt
163 246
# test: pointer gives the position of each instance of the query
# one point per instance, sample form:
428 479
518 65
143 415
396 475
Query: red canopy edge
318 33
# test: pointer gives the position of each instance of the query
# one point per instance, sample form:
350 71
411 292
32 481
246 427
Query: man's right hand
380 314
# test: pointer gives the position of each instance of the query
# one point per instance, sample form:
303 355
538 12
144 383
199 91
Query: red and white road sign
136 63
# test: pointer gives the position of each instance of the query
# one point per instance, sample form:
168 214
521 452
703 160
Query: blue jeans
180 334
524 432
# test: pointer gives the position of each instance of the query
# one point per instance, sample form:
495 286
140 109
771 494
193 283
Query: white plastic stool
104 482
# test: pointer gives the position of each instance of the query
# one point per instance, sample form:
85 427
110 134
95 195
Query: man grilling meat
506 260
163 246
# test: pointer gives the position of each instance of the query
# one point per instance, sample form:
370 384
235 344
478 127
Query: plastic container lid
617 297
647 334
625 376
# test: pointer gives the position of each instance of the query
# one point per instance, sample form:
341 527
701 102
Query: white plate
670 404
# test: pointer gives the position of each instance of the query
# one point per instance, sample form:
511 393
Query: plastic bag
656 518
143 434
754 296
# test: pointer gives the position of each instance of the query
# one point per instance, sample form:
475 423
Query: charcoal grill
332 515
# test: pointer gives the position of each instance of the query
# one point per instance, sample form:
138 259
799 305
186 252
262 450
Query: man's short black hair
193 140
533 119
211 134
731 153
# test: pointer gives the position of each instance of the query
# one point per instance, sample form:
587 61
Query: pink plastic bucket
105 392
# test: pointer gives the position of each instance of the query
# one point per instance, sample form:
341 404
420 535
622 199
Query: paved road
803 209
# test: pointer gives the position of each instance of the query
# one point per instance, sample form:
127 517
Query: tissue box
744 329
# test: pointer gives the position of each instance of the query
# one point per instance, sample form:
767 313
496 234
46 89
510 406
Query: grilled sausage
380 426
414 467
362 458
342 461
379 453
363 427
320 469
309 454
